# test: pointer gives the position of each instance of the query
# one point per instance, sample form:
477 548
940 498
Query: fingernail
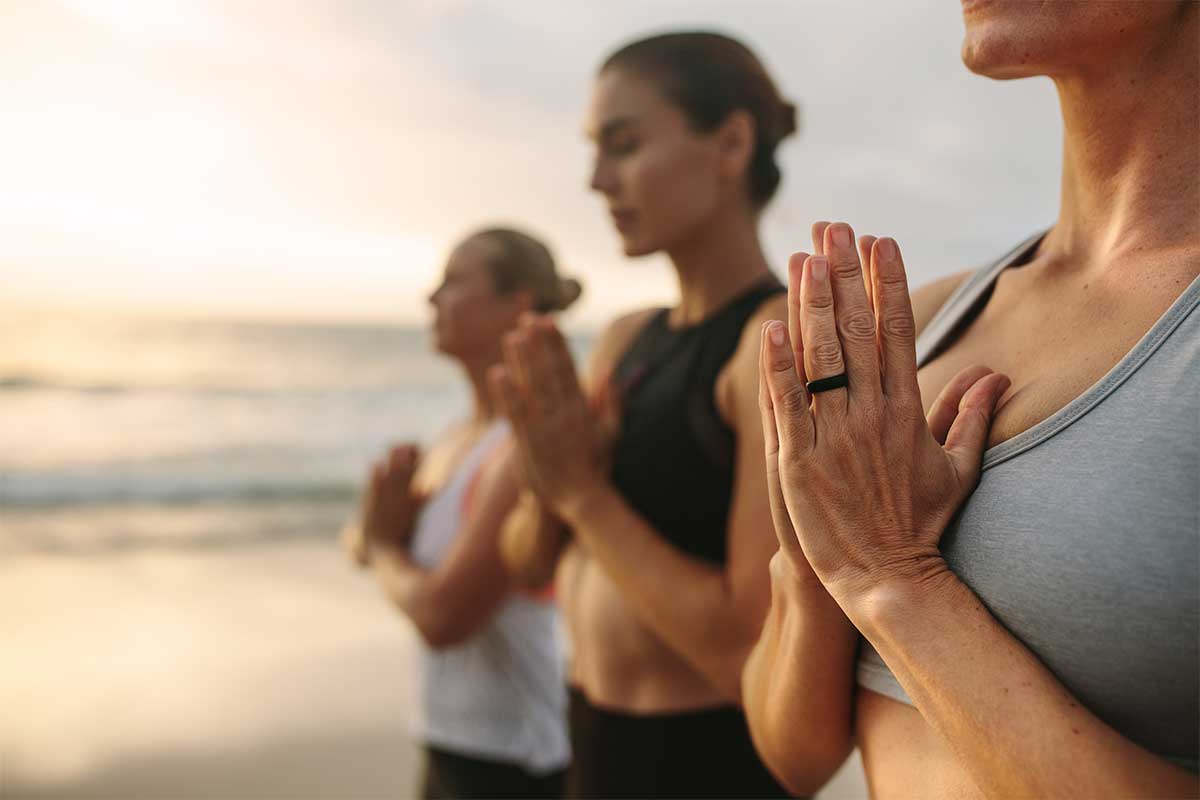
777 333
841 236
820 267
887 248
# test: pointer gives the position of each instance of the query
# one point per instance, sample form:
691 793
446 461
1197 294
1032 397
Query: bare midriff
617 660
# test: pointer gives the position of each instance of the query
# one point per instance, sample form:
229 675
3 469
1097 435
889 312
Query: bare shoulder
615 339
746 355
739 389
927 300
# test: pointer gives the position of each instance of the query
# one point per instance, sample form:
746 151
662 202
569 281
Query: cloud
240 140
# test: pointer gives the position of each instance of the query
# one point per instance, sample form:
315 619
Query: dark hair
709 76
526 263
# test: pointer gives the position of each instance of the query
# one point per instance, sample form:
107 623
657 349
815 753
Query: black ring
825 384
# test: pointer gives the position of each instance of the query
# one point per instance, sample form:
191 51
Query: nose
602 178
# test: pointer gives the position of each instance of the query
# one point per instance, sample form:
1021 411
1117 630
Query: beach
176 617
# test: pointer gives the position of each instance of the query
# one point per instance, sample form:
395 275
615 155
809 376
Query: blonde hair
525 263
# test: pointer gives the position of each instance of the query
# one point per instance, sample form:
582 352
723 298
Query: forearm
687 602
798 684
1013 725
532 542
408 587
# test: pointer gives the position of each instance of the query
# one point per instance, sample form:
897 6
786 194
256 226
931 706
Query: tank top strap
964 300
734 315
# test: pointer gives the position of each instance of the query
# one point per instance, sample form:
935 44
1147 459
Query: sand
270 670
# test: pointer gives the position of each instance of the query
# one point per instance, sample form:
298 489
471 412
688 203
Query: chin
633 247
1002 49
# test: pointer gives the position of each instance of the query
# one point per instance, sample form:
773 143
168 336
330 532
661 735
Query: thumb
969 430
606 406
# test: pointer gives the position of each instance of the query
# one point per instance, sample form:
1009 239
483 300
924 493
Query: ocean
176 617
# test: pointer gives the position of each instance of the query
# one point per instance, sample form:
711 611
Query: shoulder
615 339
928 300
740 391
745 357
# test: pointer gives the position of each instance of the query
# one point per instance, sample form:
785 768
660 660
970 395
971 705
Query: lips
623 219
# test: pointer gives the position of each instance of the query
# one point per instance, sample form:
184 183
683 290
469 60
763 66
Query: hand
390 505
862 484
562 443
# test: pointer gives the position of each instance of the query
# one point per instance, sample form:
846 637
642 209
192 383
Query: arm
800 675
715 620
452 601
870 485
532 542
1018 730
534 538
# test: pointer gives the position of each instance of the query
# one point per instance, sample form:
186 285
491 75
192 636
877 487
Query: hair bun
788 119
569 290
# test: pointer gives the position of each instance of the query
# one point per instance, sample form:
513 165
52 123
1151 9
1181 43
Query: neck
1130 153
483 409
720 262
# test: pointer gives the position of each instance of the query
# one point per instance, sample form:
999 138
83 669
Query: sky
317 159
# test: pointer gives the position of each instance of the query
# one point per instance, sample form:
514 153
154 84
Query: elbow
438 629
441 634
805 768
800 757
802 748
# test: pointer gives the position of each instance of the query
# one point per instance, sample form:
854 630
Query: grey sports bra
1083 536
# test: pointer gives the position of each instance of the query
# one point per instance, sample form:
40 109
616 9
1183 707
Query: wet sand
271 670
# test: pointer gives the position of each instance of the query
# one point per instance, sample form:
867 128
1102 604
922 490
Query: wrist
583 502
880 604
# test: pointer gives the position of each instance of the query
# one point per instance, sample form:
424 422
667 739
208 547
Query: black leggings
692 754
450 776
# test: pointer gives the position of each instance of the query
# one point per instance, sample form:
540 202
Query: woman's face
662 181
470 316
1021 38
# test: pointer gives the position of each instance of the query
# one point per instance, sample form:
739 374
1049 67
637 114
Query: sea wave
33 491
14 383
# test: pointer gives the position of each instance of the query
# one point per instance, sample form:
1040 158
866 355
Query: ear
520 301
735 144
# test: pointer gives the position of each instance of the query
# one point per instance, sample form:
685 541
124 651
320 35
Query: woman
663 583
494 705
1037 637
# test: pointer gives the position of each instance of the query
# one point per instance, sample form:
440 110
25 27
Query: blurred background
219 222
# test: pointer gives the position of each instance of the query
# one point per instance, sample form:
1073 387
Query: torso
617 660
1030 330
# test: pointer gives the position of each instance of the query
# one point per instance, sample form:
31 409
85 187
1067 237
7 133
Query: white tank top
500 695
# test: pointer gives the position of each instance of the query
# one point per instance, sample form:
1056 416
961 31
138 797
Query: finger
854 315
606 408
532 386
945 408
894 319
510 347
818 237
789 398
543 390
561 364
968 434
795 307
865 243
822 348
508 397
776 368
398 460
